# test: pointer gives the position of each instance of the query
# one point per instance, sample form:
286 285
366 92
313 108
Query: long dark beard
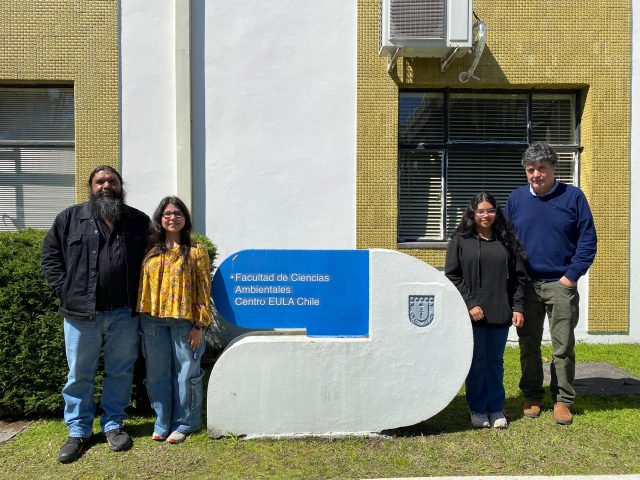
107 208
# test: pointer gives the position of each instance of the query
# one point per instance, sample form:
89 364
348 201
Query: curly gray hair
539 152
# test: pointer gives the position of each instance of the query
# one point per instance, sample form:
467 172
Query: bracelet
197 326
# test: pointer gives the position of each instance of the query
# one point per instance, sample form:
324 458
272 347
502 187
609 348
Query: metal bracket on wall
393 58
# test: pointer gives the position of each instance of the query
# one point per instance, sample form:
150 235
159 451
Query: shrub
208 244
33 366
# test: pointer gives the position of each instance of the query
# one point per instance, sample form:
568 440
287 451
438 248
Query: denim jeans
484 384
116 334
174 376
560 304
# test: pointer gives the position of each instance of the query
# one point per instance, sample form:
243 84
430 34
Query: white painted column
280 99
183 102
148 101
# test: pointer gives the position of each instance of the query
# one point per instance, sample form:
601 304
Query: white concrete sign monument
364 341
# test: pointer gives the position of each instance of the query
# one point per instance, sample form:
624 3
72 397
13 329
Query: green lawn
604 439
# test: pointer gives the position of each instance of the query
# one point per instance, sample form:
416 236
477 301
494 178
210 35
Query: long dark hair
158 236
502 229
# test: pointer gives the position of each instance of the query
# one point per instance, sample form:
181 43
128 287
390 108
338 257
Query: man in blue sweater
554 224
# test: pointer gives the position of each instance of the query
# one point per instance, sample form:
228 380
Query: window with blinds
452 145
37 156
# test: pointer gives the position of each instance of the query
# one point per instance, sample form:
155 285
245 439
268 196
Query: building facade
546 53
283 127
59 104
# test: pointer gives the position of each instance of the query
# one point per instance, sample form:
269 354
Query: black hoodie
486 274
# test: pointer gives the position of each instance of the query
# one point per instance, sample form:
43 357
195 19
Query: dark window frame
42 140
448 146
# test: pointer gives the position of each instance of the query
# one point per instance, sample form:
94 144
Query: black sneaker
73 449
118 440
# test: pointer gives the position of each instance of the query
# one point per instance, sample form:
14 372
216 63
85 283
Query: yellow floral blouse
169 291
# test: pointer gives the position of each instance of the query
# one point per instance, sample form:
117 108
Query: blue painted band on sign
324 291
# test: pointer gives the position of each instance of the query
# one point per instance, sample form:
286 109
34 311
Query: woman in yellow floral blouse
175 306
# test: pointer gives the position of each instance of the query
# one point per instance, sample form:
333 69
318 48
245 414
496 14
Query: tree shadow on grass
140 429
584 404
454 418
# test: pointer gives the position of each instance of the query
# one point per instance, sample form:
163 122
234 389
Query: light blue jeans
174 376
485 385
116 334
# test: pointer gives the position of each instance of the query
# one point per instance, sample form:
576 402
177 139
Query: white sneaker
480 420
176 437
498 420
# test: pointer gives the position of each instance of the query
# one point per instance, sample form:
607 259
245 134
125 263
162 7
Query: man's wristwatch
197 326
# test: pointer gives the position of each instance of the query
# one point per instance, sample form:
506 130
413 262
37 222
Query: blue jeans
484 384
116 334
174 376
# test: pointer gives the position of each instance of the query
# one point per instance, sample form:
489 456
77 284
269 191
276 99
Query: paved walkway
8 430
600 378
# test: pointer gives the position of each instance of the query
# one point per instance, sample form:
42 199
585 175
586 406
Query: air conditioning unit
425 28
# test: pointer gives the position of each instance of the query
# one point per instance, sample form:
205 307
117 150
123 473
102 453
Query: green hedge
208 244
33 366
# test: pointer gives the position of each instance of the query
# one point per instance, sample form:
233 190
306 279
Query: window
37 156
452 145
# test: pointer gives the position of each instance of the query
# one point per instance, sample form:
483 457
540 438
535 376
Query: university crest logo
421 309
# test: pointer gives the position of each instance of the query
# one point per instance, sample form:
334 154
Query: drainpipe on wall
479 40
183 101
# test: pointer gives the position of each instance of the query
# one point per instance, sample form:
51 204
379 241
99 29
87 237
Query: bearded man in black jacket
91 258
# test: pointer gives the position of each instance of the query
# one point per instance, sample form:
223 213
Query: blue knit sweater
556 231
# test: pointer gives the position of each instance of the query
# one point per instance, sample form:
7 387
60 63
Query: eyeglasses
176 213
485 211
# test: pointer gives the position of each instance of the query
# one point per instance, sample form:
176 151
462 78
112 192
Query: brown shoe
562 414
531 408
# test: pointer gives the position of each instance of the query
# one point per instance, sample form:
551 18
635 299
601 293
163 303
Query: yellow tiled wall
72 42
530 44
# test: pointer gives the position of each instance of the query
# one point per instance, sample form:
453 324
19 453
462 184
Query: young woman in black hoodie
486 264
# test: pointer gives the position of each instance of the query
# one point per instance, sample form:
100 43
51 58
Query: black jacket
70 257
486 274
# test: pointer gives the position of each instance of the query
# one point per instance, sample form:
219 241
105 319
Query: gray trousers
560 304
